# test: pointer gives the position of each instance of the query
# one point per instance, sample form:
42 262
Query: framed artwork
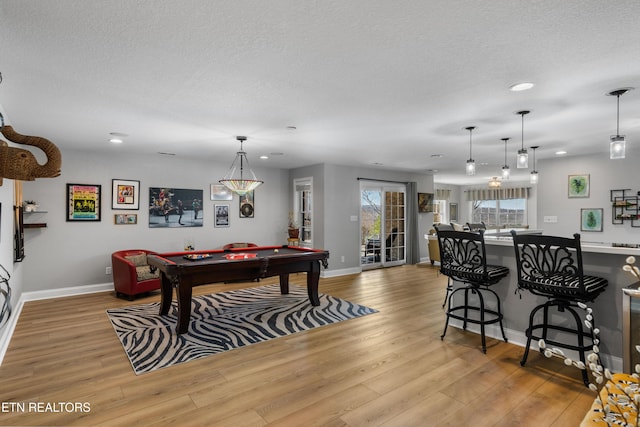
220 193
453 212
125 219
83 202
221 213
175 207
247 205
578 186
125 194
591 219
425 202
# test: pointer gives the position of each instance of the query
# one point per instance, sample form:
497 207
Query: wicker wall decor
20 164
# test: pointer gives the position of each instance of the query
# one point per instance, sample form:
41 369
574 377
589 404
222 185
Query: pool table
184 270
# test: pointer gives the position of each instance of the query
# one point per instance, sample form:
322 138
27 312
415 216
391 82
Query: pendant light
617 146
471 164
523 157
534 172
240 185
494 182
506 172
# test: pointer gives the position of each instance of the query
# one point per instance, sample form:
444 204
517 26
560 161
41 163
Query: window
500 213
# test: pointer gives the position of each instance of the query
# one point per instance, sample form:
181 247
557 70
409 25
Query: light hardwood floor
385 369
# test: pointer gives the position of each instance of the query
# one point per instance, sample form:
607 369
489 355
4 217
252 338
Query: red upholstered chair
239 245
131 273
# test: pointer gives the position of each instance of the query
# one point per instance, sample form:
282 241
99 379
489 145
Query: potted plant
294 227
30 205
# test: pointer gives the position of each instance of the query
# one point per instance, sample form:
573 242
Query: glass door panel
382 220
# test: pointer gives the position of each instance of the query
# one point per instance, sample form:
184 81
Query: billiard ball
276 251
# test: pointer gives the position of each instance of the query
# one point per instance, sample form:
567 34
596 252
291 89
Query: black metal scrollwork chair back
551 267
445 227
463 259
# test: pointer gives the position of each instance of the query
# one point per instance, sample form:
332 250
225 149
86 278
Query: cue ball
275 250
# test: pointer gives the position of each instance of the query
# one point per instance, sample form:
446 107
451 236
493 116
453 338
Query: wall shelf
624 207
35 224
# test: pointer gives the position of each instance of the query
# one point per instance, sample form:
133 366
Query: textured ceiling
392 83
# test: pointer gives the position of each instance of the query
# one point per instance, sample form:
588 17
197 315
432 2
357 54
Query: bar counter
599 259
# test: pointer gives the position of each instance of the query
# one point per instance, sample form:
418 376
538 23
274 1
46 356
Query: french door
382 225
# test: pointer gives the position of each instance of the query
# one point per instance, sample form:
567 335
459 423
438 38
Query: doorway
382 225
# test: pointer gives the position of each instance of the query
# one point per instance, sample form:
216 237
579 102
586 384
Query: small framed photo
578 186
591 219
221 212
425 202
125 219
125 194
83 202
453 212
220 193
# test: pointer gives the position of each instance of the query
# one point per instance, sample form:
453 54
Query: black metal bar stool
551 267
463 259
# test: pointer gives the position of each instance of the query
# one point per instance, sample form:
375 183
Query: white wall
6 247
68 254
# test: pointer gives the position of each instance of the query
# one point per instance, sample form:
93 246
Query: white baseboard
342 272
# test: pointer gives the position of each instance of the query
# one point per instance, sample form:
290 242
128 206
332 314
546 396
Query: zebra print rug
222 322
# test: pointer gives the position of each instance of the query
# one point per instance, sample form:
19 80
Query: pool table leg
166 294
184 292
284 284
313 278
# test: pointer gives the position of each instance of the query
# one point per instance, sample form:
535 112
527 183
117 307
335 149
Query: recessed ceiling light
292 127
117 137
561 153
519 87
166 154
264 157
277 153
437 156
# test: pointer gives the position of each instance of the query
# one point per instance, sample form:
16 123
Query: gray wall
67 254
336 193
605 175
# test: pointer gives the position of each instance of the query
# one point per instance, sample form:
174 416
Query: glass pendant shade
617 147
471 167
534 177
238 183
471 164
618 144
522 161
506 172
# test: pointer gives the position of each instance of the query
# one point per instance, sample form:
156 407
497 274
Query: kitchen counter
599 259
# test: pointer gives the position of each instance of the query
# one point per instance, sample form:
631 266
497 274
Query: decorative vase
294 233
